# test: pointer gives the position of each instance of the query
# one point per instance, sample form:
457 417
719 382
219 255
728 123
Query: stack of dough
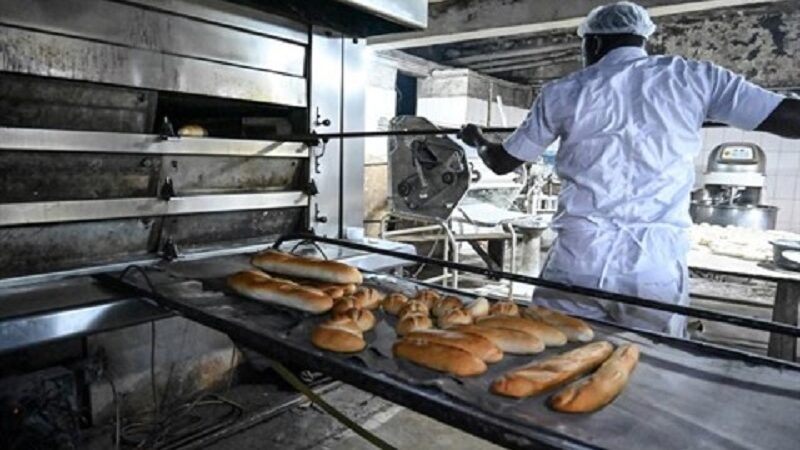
260 286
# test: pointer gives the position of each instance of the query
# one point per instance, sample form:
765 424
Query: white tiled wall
783 169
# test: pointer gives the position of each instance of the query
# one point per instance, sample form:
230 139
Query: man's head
611 26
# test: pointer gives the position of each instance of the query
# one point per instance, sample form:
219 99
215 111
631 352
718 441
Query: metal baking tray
681 395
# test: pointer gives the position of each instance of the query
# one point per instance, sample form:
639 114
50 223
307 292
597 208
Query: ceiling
462 34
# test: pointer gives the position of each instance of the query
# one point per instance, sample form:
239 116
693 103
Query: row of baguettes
316 285
474 334
583 396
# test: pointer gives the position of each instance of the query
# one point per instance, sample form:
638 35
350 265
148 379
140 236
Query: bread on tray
507 340
602 387
549 373
443 358
340 335
477 345
277 262
576 330
551 336
260 286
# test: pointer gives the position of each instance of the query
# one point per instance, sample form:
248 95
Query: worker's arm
784 120
527 143
493 154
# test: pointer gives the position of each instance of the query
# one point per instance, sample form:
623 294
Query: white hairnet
618 18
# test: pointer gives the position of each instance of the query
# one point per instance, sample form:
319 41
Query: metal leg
453 248
785 310
513 259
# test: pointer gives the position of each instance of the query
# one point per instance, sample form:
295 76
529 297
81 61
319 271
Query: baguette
260 286
362 317
427 296
443 305
394 302
340 335
546 333
413 322
442 358
504 309
305 267
414 307
473 343
576 330
368 298
453 318
602 387
478 308
542 375
507 340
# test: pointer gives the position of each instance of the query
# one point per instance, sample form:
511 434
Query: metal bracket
167 131
311 189
167 189
318 156
317 216
170 250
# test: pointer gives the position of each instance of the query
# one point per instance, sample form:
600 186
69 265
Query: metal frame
85 210
50 140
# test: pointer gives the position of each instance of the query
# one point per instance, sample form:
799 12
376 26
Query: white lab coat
629 129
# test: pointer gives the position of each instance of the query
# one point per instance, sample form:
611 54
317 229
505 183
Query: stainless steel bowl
786 254
759 217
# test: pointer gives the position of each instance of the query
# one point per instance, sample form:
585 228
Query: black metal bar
741 321
316 137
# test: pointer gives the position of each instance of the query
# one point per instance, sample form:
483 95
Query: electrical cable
295 382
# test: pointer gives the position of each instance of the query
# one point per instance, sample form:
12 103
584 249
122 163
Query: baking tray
681 395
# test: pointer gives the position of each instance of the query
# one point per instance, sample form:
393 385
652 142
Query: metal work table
787 295
682 394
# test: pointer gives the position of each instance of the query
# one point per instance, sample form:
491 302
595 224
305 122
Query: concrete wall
188 357
783 167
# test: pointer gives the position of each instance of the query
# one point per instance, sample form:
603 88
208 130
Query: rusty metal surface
199 231
203 174
36 102
31 177
37 249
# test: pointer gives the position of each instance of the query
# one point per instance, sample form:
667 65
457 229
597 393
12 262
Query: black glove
471 135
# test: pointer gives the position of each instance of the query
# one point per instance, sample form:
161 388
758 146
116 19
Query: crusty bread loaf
345 303
394 302
413 322
362 317
473 343
546 333
602 387
443 358
509 341
304 267
445 304
454 317
260 286
504 309
427 296
415 307
478 307
576 330
367 297
543 375
338 335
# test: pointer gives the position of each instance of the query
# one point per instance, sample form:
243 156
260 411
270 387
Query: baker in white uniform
628 126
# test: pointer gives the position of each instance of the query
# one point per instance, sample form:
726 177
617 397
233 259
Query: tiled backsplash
783 169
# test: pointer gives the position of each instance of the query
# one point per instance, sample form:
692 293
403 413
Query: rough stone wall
762 42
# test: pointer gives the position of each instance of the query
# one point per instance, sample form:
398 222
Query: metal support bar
47 140
785 311
84 210
741 321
